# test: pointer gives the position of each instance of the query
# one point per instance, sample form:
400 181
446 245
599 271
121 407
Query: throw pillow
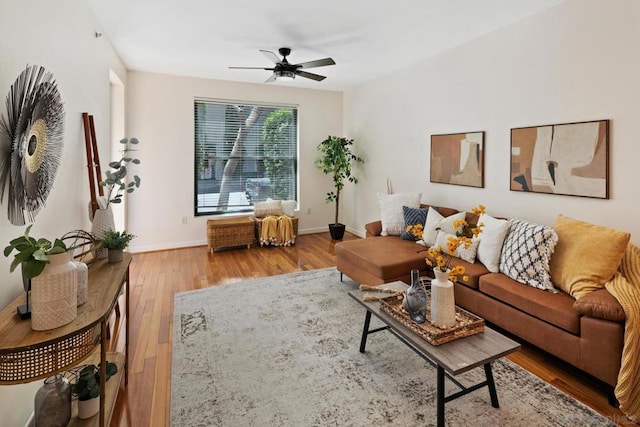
391 211
491 240
435 221
272 207
466 253
413 217
586 256
526 254
288 206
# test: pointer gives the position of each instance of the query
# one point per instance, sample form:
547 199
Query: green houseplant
336 160
116 242
33 253
87 388
114 181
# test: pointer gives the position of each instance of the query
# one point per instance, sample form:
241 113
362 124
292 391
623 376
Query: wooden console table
27 355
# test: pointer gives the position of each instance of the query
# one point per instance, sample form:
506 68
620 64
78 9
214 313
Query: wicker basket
294 223
466 323
230 232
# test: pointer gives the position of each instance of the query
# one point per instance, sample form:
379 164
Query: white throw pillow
272 207
288 206
391 213
436 221
491 240
466 253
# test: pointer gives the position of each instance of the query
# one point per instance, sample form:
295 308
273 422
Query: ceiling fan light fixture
285 75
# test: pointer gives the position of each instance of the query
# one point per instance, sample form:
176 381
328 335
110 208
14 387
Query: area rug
283 351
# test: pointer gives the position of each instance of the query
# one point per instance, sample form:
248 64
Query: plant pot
115 255
88 408
337 231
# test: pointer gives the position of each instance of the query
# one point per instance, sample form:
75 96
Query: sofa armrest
373 228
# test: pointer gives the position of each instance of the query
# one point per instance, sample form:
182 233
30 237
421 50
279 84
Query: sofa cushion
415 219
586 256
436 221
491 241
467 253
526 253
383 256
601 305
556 309
391 211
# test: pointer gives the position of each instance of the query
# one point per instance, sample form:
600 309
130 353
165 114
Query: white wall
576 62
160 115
59 36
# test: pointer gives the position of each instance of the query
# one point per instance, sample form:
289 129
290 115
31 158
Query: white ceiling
366 38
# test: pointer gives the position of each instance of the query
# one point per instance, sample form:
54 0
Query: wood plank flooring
157 276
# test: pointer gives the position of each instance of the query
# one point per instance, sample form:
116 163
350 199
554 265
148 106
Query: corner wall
575 62
59 35
160 115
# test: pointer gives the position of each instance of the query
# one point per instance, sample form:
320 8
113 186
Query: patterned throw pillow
466 253
526 254
413 217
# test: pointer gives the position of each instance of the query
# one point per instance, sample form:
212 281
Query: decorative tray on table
466 323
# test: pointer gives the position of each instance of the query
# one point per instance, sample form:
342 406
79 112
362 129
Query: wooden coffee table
451 358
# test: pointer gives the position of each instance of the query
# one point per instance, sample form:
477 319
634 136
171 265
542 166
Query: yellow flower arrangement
415 230
464 234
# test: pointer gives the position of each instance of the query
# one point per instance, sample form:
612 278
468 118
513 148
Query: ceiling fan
283 70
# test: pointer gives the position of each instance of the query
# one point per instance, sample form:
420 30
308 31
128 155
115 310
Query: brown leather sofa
587 334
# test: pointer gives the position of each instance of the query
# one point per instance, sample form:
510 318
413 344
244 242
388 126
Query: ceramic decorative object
443 305
102 222
54 294
52 404
415 301
88 408
82 273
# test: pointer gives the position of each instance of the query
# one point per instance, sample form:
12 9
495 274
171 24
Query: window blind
243 154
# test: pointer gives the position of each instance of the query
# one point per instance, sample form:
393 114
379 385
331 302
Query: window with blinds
243 154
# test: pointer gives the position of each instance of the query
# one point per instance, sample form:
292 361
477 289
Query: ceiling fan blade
311 76
317 63
271 79
251 68
272 56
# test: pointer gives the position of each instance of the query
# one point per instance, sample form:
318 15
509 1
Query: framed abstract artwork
570 159
458 158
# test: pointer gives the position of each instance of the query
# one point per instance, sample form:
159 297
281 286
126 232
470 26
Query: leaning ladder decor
93 160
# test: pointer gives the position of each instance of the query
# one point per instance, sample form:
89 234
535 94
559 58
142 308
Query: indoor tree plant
116 242
336 161
87 387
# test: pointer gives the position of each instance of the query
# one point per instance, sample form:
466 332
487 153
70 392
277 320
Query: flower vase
415 301
102 222
443 305
54 293
52 403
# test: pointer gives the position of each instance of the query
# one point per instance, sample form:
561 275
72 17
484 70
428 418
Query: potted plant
115 188
336 160
116 242
87 387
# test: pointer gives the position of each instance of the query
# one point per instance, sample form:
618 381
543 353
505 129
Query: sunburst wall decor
31 142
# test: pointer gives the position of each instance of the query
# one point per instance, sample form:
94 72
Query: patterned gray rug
283 351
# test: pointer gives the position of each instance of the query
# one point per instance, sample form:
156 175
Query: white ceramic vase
88 408
54 293
443 304
102 222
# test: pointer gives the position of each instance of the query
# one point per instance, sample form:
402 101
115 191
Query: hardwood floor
157 276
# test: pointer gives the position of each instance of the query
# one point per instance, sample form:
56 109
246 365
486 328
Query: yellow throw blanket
625 287
277 231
